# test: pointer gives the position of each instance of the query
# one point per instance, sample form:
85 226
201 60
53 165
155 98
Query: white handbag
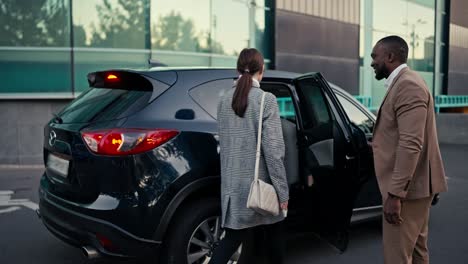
262 196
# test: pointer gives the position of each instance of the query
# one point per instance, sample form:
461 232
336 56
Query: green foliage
173 32
121 25
79 38
34 23
125 24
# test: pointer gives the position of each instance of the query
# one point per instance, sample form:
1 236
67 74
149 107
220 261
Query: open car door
329 153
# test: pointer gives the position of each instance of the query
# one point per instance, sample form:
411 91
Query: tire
200 220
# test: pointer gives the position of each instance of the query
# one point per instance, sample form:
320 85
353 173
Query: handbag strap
259 138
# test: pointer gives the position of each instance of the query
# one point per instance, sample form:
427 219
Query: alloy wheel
203 241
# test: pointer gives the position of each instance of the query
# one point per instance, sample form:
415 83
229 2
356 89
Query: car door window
356 115
315 108
284 99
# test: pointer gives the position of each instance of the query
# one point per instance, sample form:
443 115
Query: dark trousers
260 244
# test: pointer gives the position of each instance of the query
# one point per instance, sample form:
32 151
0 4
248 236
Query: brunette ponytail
250 61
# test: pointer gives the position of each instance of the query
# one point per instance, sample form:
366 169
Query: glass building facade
421 23
47 47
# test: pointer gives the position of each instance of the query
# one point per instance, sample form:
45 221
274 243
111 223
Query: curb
21 166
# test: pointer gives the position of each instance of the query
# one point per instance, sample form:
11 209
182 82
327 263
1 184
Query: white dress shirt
394 73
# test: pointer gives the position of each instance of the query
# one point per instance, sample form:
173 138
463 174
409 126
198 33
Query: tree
79 38
173 32
56 23
34 23
121 25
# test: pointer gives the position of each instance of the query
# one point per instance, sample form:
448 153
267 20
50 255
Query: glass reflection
426 3
259 27
110 23
361 46
423 24
393 23
356 115
109 34
182 25
231 25
263 27
207 32
34 39
34 23
422 55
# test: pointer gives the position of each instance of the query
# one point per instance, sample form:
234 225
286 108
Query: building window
57 44
109 34
35 48
414 21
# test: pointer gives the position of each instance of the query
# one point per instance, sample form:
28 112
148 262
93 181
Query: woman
238 114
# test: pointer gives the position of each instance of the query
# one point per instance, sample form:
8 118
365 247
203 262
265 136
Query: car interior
288 123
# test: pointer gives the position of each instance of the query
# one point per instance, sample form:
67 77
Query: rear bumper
80 230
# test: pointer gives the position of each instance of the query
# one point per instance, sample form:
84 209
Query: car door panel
362 123
329 153
323 152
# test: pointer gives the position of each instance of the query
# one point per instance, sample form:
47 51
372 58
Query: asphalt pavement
23 238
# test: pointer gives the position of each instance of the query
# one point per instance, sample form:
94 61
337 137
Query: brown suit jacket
407 157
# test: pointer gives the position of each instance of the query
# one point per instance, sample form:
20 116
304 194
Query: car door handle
349 157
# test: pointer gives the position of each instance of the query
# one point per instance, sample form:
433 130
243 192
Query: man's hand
392 210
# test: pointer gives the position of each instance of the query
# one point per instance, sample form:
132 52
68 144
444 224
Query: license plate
58 165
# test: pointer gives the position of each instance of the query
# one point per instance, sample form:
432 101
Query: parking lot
25 240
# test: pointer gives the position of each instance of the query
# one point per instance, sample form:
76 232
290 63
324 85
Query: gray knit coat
238 142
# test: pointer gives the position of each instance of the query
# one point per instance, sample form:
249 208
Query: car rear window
103 104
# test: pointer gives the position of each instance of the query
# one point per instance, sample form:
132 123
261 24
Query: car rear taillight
116 142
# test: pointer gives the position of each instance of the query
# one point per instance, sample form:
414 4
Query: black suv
132 164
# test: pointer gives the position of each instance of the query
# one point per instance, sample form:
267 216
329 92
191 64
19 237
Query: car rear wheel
195 233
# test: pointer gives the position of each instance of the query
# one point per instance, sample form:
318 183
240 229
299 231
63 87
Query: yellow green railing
449 101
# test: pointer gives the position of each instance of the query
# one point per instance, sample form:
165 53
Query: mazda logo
52 138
